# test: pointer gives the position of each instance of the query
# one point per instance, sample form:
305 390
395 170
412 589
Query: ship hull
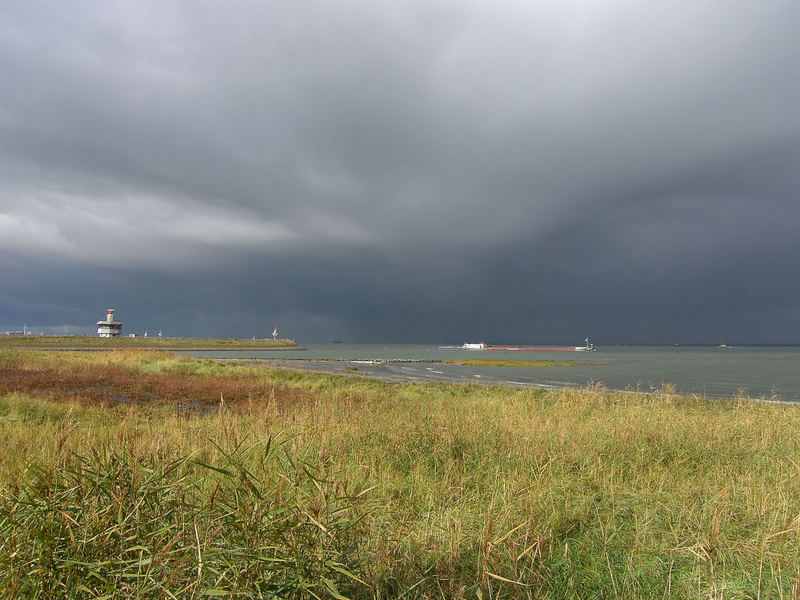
542 348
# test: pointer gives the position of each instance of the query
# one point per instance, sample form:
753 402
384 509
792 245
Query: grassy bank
70 342
135 473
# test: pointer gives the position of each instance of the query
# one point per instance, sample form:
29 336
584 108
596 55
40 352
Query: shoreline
170 344
165 348
325 366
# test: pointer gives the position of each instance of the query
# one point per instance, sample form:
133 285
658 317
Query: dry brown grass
114 383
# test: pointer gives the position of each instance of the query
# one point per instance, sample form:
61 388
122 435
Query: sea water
771 372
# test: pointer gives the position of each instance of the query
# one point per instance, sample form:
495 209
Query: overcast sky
420 171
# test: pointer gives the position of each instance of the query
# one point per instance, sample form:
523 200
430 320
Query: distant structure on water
110 327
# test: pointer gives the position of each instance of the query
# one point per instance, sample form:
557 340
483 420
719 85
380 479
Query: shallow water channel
770 372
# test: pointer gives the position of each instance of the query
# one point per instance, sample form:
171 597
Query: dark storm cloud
417 172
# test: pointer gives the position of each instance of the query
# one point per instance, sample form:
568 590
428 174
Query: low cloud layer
424 172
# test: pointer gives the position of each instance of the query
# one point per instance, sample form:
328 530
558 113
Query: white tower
110 327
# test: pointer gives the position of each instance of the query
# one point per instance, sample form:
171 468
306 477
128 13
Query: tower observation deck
110 327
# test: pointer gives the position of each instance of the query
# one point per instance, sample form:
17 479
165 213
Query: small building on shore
110 327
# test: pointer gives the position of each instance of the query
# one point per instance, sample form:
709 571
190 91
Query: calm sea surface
760 371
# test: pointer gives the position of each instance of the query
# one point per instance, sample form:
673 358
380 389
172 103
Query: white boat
587 348
474 346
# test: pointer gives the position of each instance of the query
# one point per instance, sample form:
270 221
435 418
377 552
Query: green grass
378 490
117 524
35 342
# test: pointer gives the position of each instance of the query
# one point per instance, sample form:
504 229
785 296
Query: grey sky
423 171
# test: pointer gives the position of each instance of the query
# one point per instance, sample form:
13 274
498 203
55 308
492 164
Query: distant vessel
482 346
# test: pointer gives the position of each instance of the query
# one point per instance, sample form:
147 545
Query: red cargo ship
481 346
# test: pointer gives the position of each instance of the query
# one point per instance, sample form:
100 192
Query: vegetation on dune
144 474
115 524
45 342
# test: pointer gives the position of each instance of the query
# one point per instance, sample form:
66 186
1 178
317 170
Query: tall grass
425 491
258 522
